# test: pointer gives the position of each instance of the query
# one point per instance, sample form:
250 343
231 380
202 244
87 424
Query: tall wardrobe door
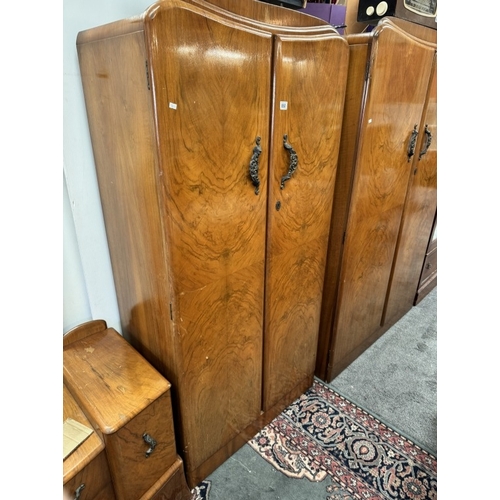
211 84
310 78
399 73
418 215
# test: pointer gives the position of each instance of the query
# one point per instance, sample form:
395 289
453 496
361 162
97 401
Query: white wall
76 307
88 282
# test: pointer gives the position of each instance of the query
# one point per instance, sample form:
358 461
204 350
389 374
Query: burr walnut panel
113 62
127 450
299 209
85 469
358 50
200 254
93 482
217 326
380 182
418 217
216 222
380 211
128 403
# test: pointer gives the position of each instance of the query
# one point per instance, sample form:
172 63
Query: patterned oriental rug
322 433
201 491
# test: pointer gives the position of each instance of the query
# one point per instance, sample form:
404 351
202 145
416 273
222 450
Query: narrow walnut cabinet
215 141
385 200
128 403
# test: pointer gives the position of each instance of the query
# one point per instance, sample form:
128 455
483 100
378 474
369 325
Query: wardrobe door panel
221 382
418 216
310 79
398 80
211 85
211 82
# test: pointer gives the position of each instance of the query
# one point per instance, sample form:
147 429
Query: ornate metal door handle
151 442
254 165
412 143
294 161
427 142
78 491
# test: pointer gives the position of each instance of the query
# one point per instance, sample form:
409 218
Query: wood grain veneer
123 141
417 30
267 13
388 100
171 486
428 278
281 352
84 330
275 20
359 46
381 177
297 233
214 222
176 99
430 266
418 217
104 359
123 397
87 464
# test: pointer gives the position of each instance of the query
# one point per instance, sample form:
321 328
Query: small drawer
174 486
92 482
128 403
430 266
85 470
136 464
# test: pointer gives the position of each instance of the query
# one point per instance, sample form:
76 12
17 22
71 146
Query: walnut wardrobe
385 198
216 137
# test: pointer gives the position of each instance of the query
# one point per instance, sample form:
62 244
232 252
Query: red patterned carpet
323 434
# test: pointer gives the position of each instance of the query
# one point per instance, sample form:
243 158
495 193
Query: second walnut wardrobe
385 197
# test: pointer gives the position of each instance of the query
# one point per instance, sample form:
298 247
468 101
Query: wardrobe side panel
358 58
120 116
211 82
310 76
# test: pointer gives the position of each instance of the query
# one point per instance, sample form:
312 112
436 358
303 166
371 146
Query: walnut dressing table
128 403
85 470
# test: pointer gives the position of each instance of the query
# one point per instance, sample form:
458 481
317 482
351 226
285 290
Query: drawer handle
412 143
427 142
151 442
254 165
294 161
78 491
